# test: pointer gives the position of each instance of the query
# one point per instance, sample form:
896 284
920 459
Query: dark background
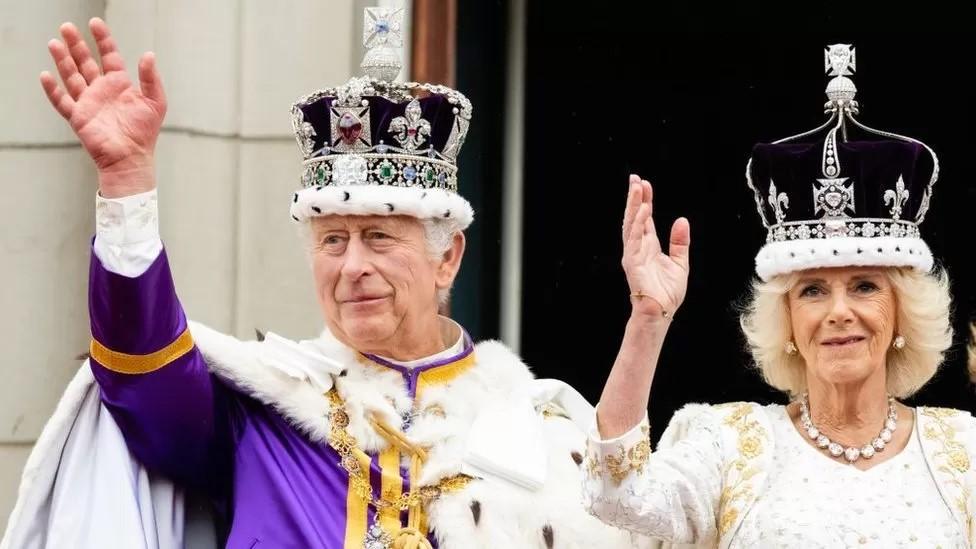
679 95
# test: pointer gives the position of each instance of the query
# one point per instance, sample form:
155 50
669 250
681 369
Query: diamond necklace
850 453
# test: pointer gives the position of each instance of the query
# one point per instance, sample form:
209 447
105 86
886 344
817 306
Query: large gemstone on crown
386 171
834 199
349 169
350 127
834 228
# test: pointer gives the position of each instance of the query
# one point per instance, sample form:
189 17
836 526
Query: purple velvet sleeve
174 418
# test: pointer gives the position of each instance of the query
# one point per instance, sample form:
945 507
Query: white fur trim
778 258
486 514
378 200
243 366
508 515
40 471
81 487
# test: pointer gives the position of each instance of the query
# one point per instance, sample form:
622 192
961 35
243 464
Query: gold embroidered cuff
615 460
142 364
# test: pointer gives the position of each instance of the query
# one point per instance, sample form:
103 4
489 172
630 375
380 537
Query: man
391 430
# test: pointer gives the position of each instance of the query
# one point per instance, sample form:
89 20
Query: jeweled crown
842 180
374 131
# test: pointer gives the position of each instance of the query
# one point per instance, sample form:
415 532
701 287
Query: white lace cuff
127 233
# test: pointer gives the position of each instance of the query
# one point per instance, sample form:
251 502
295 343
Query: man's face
375 280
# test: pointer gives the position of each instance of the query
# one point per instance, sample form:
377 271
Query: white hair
922 318
438 237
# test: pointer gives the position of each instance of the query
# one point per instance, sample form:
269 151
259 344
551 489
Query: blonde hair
922 318
972 354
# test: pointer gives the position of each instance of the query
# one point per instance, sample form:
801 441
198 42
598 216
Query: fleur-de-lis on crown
410 130
305 133
779 202
306 142
896 197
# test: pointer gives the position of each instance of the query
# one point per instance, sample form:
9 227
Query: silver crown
833 194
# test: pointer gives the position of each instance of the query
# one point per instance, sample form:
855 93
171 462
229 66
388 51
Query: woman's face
843 321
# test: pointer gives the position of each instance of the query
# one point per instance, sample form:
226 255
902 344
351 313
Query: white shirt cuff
127 238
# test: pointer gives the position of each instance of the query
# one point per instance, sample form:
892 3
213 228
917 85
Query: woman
847 318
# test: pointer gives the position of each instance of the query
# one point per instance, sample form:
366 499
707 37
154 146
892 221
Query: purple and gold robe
271 483
211 413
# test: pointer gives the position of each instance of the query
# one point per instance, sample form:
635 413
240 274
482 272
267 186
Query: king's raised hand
116 122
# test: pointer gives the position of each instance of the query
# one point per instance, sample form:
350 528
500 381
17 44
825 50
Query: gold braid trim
954 455
738 473
141 364
397 438
347 448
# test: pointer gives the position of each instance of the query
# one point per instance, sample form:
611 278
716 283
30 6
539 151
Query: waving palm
117 123
658 281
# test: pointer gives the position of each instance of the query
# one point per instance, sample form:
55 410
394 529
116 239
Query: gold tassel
411 537
396 438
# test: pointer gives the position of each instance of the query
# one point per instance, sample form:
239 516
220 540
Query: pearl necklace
851 453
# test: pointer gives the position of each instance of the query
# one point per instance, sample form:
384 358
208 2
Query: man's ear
450 262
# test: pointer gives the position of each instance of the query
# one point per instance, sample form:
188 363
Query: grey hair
438 237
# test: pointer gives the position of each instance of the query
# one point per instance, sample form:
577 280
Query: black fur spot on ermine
548 536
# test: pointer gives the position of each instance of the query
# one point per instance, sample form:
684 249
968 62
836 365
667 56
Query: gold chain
345 444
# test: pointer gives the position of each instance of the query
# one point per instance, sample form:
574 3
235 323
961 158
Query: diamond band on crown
833 228
398 170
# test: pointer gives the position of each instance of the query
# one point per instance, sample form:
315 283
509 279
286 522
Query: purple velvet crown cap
872 166
321 113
